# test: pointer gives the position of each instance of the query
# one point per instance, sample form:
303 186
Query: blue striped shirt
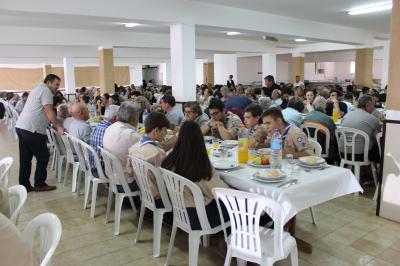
96 139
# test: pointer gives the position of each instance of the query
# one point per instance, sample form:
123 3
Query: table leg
301 244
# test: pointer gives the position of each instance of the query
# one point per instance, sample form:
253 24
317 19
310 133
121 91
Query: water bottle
93 110
276 150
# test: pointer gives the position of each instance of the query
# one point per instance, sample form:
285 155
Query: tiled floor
347 231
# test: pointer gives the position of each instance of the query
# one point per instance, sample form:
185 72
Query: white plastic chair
14 120
316 147
17 197
175 186
51 148
91 177
312 130
346 138
84 169
60 153
70 159
143 171
50 234
378 140
248 241
116 176
6 164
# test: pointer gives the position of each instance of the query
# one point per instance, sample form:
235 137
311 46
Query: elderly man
223 124
194 113
295 142
292 114
79 127
21 103
97 135
31 130
363 120
173 112
123 134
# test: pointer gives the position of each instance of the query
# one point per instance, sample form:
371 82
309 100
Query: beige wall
27 78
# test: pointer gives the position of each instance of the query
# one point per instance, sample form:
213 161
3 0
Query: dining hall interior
199 132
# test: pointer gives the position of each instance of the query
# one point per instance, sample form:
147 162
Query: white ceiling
326 11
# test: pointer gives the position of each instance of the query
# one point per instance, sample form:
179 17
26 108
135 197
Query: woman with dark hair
189 159
114 99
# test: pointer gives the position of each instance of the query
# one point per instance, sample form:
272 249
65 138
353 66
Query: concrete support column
364 63
297 66
183 66
268 66
106 70
69 75
385 64
136 74
46 70
200 71
225 65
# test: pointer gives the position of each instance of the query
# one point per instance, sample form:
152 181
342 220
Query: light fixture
300 40
131 25
371 8
231 33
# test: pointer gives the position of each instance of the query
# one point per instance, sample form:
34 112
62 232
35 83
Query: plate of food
259 161
270 175
224 165
208 138
229 143
311 160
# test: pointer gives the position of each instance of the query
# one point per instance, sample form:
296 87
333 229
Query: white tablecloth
313 187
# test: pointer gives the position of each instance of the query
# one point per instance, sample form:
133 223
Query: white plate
304 160
250 162
229 143
208 138
265 174
223 165
276 180
310 166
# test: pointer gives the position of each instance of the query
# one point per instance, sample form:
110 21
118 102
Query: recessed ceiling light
371 8
231 33
131 25
300 40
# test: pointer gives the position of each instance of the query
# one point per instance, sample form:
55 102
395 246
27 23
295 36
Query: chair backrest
50 234
312 131
346 138
77 144
49 136
143 170
69 151
378 140
5 164
114 170
17 196
316 147
176 185
88 151
58 143
245 210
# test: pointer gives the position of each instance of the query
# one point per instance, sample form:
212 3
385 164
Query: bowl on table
229 143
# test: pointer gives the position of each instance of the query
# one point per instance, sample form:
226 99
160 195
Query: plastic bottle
276 150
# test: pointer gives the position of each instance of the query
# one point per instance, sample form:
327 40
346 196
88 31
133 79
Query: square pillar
136 74
268 66
385 65
69 75
46 70
106 70
364 63
297 66
165 73
225 65
200 71
183 66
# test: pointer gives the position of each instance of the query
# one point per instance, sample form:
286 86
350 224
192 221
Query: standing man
31 130
230 83
270 85
298 82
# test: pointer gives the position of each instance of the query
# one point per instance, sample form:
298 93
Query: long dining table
313 186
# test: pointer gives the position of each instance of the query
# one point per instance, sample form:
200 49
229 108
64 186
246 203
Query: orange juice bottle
243 150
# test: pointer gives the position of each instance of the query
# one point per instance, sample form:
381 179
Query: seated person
348 100
223 124
123 134
62 113
295 142
292 114
193 112
173 112
149 149
79 127
97 135
334 102
276 98
252 117
189 159
309 101
237 102
362 119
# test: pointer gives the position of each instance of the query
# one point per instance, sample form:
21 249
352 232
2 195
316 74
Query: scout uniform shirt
231 122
